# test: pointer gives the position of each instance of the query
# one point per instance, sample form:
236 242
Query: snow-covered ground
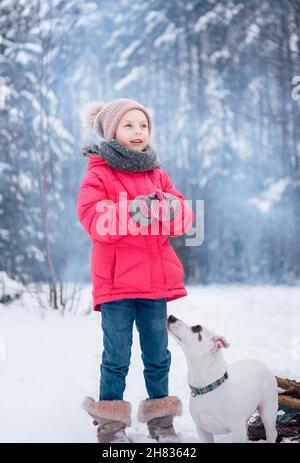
49 362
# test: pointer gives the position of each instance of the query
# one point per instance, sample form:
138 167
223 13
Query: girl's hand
160 205
163 206
160 194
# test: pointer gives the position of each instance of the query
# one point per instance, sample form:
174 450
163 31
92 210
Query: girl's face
133 126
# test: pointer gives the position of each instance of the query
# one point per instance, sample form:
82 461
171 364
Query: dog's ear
218 343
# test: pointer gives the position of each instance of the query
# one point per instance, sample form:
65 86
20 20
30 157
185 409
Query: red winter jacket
137 264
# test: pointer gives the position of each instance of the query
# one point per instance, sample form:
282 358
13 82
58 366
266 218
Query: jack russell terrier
224 397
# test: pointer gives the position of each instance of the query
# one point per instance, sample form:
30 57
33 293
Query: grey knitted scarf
121 157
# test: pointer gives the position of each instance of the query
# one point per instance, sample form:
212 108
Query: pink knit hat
103 118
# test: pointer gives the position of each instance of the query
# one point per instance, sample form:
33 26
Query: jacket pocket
132 270
105 262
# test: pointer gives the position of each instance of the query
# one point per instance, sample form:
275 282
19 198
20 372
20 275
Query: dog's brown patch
199 337
196 328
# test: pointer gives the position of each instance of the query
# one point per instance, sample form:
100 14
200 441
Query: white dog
224 397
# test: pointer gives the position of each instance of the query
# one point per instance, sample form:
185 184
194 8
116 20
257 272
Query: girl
128 206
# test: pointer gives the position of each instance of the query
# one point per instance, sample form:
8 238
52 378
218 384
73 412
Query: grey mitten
163 206
140 209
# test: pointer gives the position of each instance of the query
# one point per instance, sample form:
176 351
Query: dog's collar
210 387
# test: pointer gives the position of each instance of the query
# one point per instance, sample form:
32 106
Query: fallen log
288 384
290 431
289 401
290 398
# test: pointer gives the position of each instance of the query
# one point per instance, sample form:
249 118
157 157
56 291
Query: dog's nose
172 319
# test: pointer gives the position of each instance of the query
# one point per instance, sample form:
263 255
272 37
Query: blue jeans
150 316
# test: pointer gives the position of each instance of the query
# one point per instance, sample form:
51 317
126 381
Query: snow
8 286
4 234
208 160
204 21
242 146
123 58
270 196
255 87
168 36
118 18
50 361
60 130
153 18
23 58
4 166
34 47
32 98
25 182
225 13
31 77
134 74
220 54
252 33
34 253
293 42
5 92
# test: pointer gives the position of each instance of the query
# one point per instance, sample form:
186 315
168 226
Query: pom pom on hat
89 114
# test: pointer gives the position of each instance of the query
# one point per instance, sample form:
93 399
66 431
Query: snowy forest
222 80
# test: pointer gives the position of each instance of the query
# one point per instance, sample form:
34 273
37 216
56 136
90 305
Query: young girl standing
129 206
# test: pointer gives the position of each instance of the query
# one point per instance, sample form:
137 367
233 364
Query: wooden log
288 384
289 401
291 431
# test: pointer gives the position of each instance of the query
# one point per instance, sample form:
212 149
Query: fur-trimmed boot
111 418
159 413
